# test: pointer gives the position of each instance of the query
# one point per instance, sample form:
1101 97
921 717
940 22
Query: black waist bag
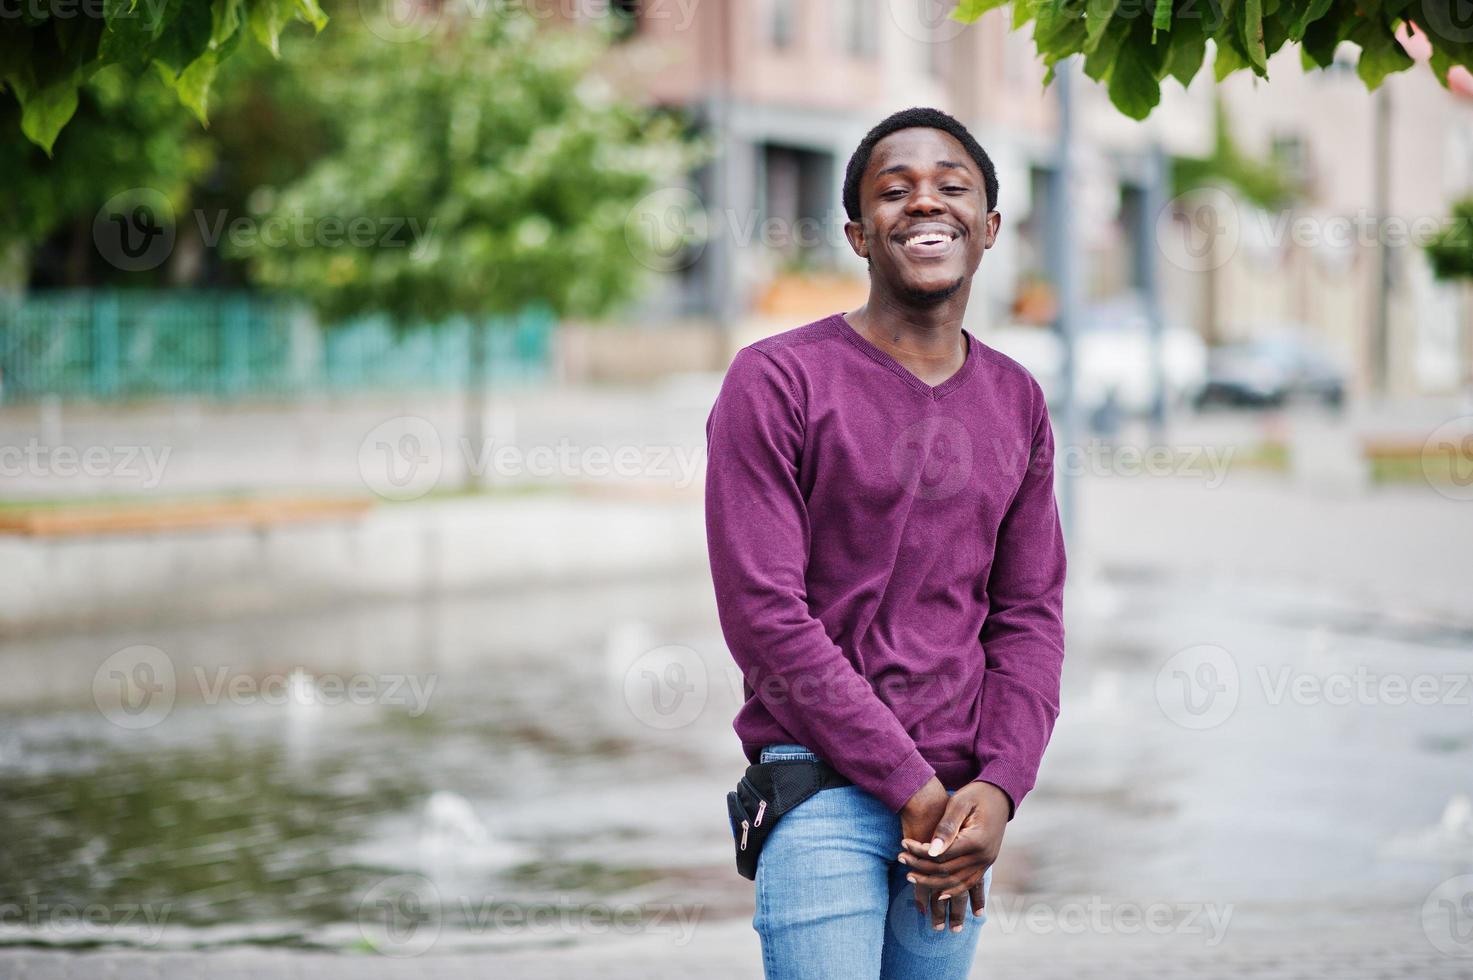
764 794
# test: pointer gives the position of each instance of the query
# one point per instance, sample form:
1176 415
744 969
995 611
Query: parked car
1114 369
1280 366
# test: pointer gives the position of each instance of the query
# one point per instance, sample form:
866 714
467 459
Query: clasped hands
949 842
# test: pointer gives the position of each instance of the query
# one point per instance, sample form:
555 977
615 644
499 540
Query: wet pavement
1253 775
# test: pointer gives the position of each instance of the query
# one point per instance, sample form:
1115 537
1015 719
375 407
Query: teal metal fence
129 344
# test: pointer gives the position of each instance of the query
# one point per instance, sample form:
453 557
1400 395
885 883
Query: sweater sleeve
1023 635
758 536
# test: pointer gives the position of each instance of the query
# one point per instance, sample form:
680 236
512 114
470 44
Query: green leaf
1380 52
129 32
1058 30
1023 11
47 110
193 85
225 21
1097 16
968 11
1312 12
1098 62
1250 25
1135 86
267 18
311 12
1161 20
185 37
1227 60
1188 47
1275 30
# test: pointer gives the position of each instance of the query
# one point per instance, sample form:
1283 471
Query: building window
1290 155
797 186
782 23
857 28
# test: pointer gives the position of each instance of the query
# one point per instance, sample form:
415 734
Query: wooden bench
60 520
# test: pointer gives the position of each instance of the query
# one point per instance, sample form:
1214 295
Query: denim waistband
786 752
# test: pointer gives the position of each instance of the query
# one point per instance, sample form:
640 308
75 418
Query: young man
889 571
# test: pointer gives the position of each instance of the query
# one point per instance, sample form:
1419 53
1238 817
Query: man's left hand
964 845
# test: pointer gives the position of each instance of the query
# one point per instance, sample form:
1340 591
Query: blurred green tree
129 131
1451 251
48 51
1133 45
474 166
1260 182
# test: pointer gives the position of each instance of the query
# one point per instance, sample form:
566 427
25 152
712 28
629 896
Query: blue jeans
832 901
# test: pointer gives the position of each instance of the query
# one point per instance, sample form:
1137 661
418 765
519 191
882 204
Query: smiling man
889 571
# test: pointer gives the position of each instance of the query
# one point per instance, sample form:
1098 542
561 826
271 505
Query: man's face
925 219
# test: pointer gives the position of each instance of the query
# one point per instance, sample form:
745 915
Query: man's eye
953 187
894 192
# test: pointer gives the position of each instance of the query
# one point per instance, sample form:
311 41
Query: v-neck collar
884 359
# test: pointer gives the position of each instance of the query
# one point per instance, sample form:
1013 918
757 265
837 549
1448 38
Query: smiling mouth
929 244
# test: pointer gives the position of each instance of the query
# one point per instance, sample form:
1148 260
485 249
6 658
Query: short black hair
908 119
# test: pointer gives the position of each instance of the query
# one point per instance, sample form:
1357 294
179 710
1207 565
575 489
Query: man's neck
926 328
926 340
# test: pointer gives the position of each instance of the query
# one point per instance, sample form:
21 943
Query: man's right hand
918 820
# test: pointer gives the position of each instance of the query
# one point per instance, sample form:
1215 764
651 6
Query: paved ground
1339 581
1369 944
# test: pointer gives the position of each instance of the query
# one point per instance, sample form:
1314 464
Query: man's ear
854 231
994 224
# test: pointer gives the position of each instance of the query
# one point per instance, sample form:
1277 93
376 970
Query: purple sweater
888 560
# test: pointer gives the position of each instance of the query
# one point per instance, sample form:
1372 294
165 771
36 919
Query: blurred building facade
1321 263
787 88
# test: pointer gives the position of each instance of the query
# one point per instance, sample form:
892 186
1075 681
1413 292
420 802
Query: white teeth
929 237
